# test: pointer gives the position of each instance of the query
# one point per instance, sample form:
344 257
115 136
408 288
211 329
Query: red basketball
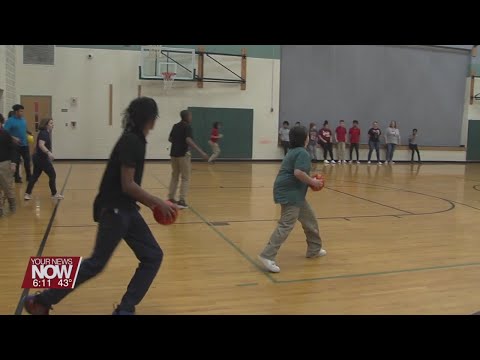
318 177
157 214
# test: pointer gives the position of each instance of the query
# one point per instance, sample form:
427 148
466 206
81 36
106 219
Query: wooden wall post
200 68
243 86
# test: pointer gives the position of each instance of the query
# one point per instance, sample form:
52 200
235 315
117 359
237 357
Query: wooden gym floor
401 239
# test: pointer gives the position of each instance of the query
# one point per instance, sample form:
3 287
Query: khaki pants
181 167
341 150
215 149
290 214
6 182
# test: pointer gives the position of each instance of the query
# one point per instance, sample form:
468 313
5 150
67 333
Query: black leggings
23 152
353 146
39 166
414 147
327 148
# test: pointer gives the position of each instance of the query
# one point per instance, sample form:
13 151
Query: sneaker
386 162
27 197
326 162
57 196
270 265
358 161
369 162
321 253
380 163
33 307
350 162
182 204
333 162
117 311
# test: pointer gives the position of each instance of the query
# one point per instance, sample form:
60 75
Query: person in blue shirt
16 126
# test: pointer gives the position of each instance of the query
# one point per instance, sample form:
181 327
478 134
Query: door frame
40 96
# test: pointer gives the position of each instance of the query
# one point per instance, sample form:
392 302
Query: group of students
115 207
325 138
13 146
116 211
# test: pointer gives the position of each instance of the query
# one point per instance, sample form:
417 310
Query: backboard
158 59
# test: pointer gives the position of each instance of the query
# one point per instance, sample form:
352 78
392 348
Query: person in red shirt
214 137
325 140
341 137
354 134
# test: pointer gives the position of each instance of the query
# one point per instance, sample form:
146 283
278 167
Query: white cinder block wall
3 66
74 75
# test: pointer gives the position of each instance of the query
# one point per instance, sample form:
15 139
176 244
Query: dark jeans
114 225
414 147
390 151
286 146
353 146
24 152
374 145
327 149
39 166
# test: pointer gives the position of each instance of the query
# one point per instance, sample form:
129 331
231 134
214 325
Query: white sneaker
369 162
332 162
326 162
392 162
27 197
350 162
321 253
269 265
57 197
344 161
358 162
380 163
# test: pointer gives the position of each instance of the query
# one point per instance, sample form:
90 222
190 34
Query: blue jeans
374 145
115 225
390 151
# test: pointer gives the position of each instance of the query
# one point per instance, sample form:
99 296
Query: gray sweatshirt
392 136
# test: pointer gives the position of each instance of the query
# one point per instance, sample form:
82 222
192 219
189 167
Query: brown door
36 108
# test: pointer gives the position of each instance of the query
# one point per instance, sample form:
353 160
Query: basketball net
168 79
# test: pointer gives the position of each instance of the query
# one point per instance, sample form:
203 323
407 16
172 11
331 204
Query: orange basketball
318 177
159 218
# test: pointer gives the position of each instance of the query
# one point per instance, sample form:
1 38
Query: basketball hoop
168 79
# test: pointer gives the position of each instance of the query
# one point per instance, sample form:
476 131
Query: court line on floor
226 239
371 201
451 202
380 273
19 309
232 244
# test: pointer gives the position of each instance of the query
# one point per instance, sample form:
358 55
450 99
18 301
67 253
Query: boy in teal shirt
289 191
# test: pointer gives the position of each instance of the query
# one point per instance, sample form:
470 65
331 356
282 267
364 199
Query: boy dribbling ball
289 190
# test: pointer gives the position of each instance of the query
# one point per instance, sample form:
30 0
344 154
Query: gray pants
290 214
341 150
215 151
181 167
6 184
312 150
